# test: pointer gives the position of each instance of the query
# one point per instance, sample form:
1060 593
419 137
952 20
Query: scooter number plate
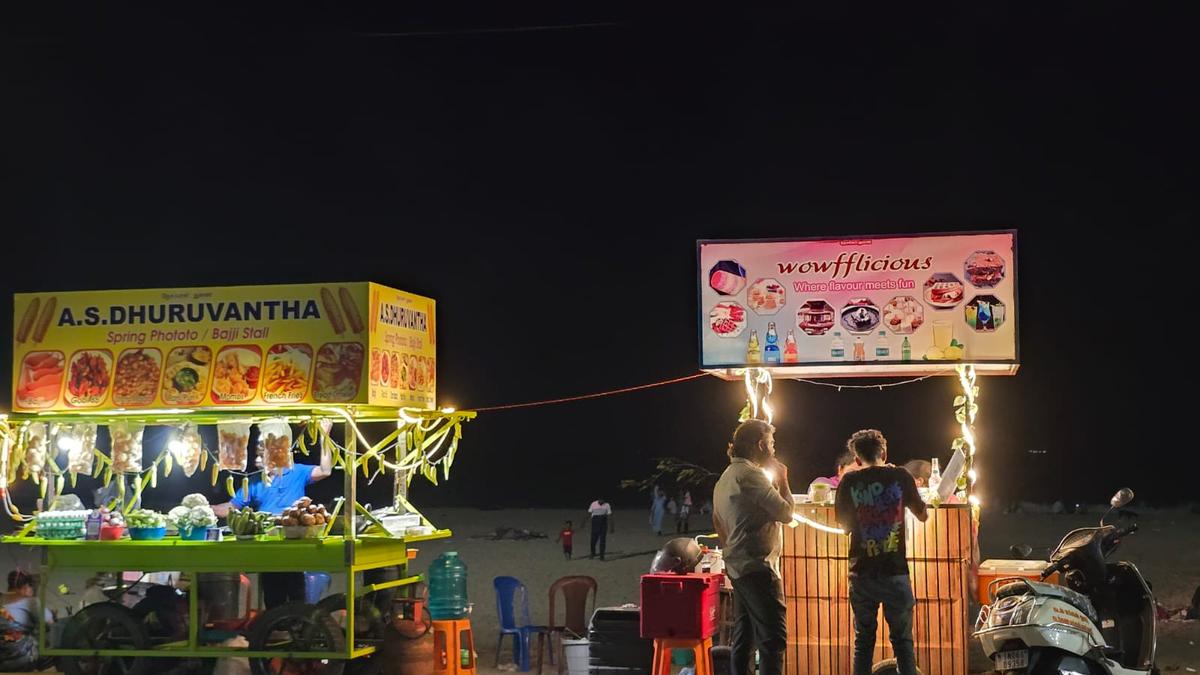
1018 658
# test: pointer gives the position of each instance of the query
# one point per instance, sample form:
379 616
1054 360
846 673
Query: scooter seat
1077 600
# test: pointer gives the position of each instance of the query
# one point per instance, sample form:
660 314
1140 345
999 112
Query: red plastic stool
702 649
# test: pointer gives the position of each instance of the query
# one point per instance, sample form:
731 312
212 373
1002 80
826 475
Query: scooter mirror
1122 498
1020 551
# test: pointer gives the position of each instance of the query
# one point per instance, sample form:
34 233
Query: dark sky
548 187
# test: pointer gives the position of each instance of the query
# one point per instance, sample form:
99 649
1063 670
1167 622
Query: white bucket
575 652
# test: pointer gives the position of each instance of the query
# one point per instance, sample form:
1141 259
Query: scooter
1099 621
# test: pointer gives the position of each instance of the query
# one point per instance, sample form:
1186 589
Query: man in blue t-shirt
284 490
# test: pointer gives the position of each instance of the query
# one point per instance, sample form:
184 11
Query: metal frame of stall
826 588
349 554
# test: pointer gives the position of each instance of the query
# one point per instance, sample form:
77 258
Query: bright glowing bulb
66 443
974 500
448 410
175 446
972 475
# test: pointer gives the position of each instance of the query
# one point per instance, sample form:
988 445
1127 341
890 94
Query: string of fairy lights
759 385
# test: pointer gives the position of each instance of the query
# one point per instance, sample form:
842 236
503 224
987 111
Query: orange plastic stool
453 648
702 649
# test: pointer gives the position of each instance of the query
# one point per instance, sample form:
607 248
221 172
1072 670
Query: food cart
914 307
163 367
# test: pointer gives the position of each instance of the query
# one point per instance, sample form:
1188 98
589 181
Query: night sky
548 186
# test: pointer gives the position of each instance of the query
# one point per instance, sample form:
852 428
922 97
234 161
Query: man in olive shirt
750 500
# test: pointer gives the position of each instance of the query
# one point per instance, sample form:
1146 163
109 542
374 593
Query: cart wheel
296 627
369 620
104 625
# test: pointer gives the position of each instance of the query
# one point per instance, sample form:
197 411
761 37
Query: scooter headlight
1011 611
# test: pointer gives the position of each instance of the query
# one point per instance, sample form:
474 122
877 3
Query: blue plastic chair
510 610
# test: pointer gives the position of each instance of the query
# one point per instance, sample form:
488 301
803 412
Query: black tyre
296 627
368 620
108 626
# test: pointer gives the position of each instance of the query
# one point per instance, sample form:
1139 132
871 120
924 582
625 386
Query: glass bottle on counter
905 350
753 350
860 349
771 351
935 476
837 350
790 353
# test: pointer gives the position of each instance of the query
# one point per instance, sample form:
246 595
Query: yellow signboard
352 343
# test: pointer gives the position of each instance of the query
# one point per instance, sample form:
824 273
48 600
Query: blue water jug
447 587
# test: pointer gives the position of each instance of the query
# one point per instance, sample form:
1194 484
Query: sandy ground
1167 550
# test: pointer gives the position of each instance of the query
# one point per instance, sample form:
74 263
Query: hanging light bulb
175 445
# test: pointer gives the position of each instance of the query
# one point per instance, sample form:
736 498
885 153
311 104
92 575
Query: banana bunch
247 521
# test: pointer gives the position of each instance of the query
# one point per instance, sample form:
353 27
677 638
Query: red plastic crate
681 606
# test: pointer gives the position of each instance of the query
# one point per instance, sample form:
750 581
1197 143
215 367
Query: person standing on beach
658 510
685 512
602 523
870 506
751 499
567 537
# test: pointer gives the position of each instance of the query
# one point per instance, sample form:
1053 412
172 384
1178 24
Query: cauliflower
195 499
202 516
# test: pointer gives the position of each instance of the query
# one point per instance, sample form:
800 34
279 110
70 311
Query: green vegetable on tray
247 521
145 518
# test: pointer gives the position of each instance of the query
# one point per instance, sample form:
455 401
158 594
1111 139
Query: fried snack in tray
338 370
136 379
275 446
303 519
287 372
233 445
126 446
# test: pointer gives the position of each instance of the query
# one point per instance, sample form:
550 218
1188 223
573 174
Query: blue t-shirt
284 490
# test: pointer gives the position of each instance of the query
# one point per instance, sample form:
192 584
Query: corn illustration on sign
253 346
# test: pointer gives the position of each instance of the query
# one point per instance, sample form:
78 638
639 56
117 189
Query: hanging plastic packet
126 446
275 445
35 449
187 448
81 447
233 444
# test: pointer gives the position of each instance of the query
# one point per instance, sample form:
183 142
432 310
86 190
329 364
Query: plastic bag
126 446
81 452
187 450
234 443
35 449
275 446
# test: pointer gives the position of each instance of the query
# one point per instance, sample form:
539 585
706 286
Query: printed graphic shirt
870 506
